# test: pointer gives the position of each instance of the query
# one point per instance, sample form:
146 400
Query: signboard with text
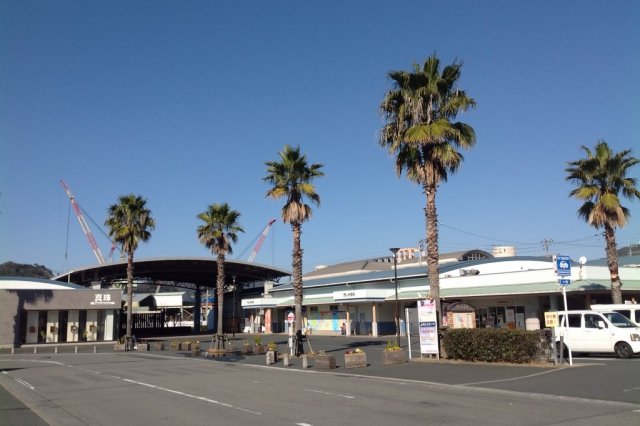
427 321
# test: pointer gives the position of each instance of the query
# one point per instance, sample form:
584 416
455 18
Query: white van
599 332
631 311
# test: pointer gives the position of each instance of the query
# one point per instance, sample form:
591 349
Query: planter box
324 362
195 349
272 357
158 346
356 360
119 347
394 357
185 346
142 347
246 349
258 349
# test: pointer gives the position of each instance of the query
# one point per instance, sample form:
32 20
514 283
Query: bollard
55 350
75 350
95 349
285 360
13 350
305 361
35 349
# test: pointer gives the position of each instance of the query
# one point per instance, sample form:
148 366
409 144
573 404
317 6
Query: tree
219 229
600 178
129 222
421 131
291 178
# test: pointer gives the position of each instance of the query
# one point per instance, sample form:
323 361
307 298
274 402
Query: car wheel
623 350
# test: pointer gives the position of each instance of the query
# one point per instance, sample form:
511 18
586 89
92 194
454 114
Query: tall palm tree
600 178
421 131
220 228
291 178
129 222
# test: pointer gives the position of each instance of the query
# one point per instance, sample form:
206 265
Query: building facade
45 311
360 297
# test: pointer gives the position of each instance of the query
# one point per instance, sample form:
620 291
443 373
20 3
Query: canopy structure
184 272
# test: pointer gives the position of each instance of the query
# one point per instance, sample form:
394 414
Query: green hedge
495 345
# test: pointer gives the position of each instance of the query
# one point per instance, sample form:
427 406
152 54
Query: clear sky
183 102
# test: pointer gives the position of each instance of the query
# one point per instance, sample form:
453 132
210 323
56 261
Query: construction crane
83 224
256 249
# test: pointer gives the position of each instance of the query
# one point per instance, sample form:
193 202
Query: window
574 320
313 309
333 308
637 316
591 320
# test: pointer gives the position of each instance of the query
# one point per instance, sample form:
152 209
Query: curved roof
24 283
186 272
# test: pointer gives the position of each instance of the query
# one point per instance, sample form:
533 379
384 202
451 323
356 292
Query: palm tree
421 132
129 222
219 229
291 178
600 178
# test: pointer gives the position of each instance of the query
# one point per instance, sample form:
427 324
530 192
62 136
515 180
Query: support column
374 322
348 324
197 309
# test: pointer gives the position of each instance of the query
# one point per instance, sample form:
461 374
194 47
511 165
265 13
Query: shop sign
349 295
102 299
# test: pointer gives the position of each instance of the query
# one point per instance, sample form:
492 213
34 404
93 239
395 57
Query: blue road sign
563 265
564 281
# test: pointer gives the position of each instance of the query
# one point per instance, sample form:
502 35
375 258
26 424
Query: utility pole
546 243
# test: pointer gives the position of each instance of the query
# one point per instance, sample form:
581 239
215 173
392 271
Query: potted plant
355 358
258 348
393 354
272 353
142 346
119 346
195 347
324 361
246 347
43 334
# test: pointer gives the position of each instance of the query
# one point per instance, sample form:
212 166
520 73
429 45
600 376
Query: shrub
495 345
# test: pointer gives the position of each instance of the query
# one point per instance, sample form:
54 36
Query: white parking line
25 384
201 398
330 394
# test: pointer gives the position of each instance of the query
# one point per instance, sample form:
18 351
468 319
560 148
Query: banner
428 327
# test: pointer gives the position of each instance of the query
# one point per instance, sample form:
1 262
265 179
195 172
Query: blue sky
184 102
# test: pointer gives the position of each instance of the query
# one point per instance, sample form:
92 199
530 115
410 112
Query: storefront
45 311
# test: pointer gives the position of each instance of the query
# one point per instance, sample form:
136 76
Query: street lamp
233 322
394 250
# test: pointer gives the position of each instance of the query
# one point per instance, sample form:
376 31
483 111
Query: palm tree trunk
612 263
220 295
432 245
297 274
129 295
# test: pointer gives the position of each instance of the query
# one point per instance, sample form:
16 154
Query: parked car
598 332
631 311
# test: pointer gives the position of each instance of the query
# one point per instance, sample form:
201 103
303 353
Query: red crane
256 249
83 224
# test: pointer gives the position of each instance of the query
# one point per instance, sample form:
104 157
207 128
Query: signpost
563 270
291 317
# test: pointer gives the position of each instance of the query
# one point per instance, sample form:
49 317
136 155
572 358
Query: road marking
330 394
509 379
630 390
25 383
304 424
201 398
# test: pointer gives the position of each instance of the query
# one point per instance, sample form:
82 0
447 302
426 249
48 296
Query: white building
510 291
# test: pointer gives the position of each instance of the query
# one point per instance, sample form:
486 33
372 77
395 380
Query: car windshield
618 320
